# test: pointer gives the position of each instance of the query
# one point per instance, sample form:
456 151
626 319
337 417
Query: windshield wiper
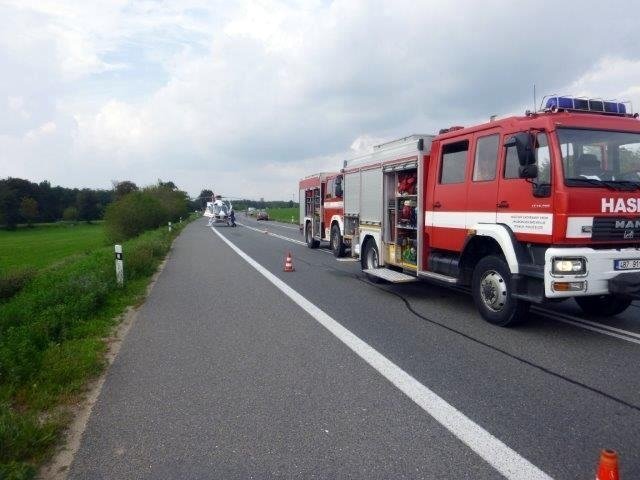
591 181
621 185
630 184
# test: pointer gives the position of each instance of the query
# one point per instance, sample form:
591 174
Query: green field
284 214
43 245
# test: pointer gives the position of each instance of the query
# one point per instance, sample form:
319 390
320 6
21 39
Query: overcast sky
246 97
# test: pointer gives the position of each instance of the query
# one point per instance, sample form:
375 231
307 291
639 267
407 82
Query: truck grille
616 228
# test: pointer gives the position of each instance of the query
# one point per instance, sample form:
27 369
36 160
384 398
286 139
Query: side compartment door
446 213
482 194
522 204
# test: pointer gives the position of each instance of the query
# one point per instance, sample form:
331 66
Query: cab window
328 192
484 166
543 159
454 161
338 187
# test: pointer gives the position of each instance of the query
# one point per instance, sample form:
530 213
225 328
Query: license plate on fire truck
627 264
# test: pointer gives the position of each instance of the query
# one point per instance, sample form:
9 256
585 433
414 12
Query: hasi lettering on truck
620 205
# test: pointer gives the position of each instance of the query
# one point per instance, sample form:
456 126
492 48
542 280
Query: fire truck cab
321 211
523 210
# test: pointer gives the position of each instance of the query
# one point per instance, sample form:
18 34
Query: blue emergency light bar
581 104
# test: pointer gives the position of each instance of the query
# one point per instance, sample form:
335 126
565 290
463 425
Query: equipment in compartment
408 250
407 217
407 183
402 217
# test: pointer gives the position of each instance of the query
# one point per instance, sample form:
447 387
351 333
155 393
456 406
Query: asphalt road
224 376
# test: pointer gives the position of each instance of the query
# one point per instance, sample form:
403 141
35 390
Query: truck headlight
569 266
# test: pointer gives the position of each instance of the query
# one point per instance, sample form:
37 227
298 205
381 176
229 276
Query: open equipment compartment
401 215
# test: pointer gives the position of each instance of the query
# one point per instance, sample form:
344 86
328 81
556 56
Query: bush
137 212
12 281
70 214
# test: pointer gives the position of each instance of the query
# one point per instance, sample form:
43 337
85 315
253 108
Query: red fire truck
522 210
321 211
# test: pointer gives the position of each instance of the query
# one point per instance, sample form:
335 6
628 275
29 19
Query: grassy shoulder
52 341
284 214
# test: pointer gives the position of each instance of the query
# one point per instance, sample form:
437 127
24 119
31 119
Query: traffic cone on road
608 466
288 263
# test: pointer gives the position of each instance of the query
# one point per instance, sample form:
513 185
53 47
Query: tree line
26 202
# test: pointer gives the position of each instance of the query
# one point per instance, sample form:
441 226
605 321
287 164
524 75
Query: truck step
390 275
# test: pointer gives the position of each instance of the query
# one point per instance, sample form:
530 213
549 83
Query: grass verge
284 214
45 244
52 341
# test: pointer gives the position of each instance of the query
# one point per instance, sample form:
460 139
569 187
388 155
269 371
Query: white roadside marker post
119 267
180 219
169 226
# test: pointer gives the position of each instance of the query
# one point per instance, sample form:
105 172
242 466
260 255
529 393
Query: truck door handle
503 204
437 205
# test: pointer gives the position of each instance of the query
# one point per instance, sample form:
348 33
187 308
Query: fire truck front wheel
337 247
603 305
308 236
491 288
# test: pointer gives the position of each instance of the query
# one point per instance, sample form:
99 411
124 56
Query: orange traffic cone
288 263
608 466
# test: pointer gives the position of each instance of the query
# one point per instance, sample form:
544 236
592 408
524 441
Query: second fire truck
522 210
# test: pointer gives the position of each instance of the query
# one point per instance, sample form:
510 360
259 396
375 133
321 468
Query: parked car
262 215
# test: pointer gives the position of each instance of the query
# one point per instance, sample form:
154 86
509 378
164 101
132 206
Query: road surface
236 369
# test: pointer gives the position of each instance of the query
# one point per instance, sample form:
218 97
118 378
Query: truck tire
311 242
337 247
603 305
370 258
491 289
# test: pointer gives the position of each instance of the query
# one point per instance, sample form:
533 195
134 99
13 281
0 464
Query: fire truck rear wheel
603 305
308 236
491 288
337 247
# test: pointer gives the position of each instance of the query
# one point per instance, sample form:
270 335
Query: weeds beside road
52 341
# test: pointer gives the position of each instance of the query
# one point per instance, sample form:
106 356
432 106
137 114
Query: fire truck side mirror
528 171
524 143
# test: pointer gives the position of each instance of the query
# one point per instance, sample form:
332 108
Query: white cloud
611 78
257 93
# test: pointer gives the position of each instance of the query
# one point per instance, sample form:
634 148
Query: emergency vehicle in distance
523 210
321 211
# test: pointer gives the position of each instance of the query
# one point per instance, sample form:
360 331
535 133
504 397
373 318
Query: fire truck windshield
600 158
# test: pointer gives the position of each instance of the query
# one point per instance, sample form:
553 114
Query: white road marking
277 224
505 460
288 239
627 335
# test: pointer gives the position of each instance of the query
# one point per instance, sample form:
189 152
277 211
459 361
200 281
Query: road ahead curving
235 369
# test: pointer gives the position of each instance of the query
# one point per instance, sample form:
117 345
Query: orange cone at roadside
608 466
288 263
